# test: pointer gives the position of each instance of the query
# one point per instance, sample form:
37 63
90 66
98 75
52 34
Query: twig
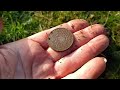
106 18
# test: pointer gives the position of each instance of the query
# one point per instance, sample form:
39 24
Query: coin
60 39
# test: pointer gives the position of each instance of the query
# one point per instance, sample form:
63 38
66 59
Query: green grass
20 24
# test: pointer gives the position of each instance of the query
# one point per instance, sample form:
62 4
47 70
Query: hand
33 58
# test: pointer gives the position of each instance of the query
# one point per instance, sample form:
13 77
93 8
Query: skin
31 57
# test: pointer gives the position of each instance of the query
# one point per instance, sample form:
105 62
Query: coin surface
60 39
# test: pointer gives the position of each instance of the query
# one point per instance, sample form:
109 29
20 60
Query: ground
20 24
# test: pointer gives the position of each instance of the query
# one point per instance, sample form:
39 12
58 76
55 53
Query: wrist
7 62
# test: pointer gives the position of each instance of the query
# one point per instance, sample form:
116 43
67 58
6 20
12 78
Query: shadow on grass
112 53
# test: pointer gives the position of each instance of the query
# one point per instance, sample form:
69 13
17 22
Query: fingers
80 56
81 37
91 70
73 26
77 24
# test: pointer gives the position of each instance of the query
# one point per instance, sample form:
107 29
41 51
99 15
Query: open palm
33 58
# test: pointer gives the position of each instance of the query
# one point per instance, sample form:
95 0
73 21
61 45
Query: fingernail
108 32
105 60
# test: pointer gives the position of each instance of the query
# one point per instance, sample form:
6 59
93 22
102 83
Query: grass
20 24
